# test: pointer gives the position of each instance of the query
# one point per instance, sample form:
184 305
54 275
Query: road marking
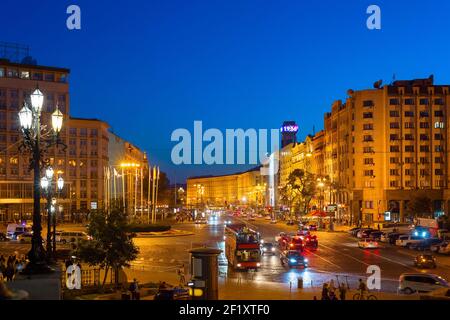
326 260
347 255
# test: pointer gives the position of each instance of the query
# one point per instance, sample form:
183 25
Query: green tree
420 207
299 190
111 247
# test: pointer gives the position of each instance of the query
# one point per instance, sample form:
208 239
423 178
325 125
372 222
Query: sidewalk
39 287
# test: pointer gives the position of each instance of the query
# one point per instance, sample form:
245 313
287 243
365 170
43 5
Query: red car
297 244
311 241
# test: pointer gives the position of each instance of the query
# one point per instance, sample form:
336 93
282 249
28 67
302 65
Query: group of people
11 266
329 291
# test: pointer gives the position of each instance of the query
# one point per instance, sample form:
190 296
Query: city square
225 152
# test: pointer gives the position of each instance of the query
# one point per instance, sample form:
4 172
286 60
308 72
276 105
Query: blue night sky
148 67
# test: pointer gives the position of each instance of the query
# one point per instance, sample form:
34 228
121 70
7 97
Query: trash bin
300 283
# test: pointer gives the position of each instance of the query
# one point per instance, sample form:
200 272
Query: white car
268 218
441 248
25 238
72 237
407 240
273 221
368 244
420 282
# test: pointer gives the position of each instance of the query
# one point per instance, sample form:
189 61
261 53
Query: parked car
368 244
375 235
312 227
420 282
72 237
201 221
425 261
425 244
290 222
273 221
14 229
354 231
364 233
24 238
407 241
3 237
442 247
396 227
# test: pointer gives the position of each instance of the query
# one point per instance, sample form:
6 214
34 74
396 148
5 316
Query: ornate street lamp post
33 136
50 187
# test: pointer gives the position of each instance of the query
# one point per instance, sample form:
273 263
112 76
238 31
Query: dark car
425 261
375 235
425 244
312 227
3 237
293 259
311 241
268 248
354 231
172 294
393 237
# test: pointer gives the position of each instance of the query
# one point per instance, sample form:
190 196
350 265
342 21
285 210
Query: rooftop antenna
314 130
393 78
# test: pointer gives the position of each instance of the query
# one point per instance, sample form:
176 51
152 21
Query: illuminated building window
13 73
2 72
13 160
439 125
439 148
25 74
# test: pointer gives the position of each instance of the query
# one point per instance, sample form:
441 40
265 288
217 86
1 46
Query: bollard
300 283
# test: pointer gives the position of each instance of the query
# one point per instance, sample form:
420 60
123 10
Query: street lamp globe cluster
36 140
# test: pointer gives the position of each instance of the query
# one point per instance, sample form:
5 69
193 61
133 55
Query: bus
242 247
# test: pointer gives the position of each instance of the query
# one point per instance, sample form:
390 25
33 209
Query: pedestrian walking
325 295
181 275
134 289
342 291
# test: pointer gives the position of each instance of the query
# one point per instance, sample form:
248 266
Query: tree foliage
299 190
420 207
111 247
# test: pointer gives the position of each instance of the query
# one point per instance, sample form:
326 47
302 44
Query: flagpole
153 194
156 201
148 193
123 189
142 195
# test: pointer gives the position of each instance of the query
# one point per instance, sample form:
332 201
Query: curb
177 233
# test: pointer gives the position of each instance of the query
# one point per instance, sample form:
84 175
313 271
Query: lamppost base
36 268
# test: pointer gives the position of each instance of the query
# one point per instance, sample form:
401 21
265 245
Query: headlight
264 249
293 260
239 265
306 260
258 264
273 249
262 240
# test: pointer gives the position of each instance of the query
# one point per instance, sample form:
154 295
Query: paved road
337 254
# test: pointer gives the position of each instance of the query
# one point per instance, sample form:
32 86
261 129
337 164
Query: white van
14 229
71 237
420 282
407 240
